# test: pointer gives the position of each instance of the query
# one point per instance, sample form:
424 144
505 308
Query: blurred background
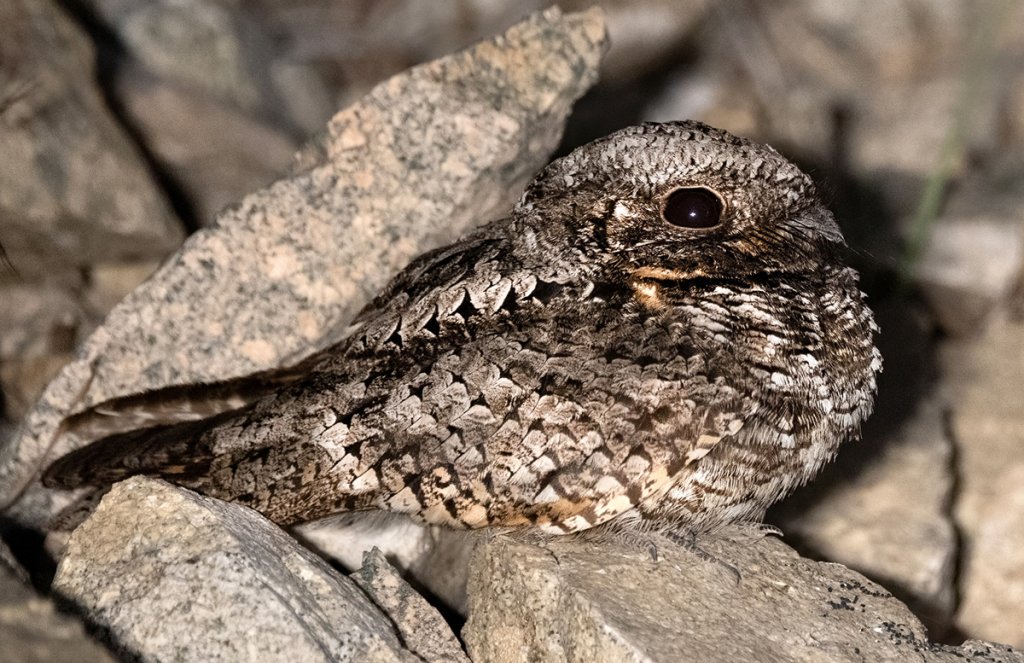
125 125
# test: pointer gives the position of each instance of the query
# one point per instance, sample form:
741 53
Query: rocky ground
128 126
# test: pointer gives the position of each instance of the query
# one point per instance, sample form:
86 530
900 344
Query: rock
363 45
214 152
420 625
888 516
974 256
218 50
567 601
204 86
156 561
7 431
110 282
31 628
986 376
73 189
644 35
38 320
22 381
424 157
435 557
39 326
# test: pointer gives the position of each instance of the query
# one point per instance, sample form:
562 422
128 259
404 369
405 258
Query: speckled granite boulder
174 576
73 188
581 601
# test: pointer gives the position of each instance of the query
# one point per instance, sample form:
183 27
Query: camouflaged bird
663 335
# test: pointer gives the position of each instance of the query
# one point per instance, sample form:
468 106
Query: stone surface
419 624
361 44
969 267
564 601
205 87
644 35
973 256
110 282
889 518
217 49
173 576
986 382
39 319
31 628
435 557
214 152
73 189
23 380
422 158
39 326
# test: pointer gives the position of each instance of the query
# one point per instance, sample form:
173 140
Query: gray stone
215 152
218 49
644 35
973 258
39 319
23 380
31 628
567 601
437 558
889 517
204 86
420 625
39 326
364 44
986 376
173 576
970 266
110 282
73 189
421 159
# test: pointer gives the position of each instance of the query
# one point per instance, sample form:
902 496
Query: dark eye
694 207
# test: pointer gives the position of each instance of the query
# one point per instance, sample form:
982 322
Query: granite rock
437 558
214 152
32 630
419 624
986 380
73 188
563 601
173 576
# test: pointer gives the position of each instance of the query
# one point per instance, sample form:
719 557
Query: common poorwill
663 333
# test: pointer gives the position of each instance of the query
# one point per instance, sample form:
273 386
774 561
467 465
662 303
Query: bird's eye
693 207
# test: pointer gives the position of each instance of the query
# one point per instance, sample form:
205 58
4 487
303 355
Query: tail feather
161 408
175 451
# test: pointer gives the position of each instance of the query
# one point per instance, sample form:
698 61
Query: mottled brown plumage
612 351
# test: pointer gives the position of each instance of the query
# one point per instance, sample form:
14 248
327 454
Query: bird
662 335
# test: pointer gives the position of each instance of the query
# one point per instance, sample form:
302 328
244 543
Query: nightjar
663 334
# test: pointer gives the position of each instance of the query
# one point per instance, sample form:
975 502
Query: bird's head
682 201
